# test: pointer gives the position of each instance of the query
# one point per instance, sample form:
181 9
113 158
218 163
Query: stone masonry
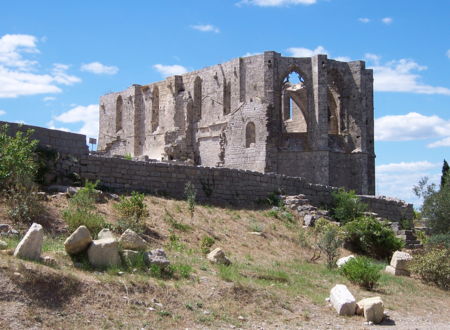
301 117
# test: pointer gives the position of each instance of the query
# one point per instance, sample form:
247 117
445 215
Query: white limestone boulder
156 257
30 246
78 241
104 253
372 309
342 300
342 261
396 271
217 256
132 241
105 233
401 260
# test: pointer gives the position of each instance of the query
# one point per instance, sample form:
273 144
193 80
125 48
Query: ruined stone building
310 117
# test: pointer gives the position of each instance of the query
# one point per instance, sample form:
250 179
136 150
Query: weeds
189 192
206 243
132 211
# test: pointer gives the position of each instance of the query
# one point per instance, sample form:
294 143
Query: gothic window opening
226 97
250 135
119 113
155 109
294 103
333 113
197 99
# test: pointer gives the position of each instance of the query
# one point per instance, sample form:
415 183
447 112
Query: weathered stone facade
247 114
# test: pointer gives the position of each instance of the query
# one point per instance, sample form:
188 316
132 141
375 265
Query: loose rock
105 233
217 256
78 241
342 300
156 257
132 241
372 309
31 244
401 260
104 253
344 260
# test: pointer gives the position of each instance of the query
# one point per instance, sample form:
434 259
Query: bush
18 169
433 266
329 243
206 244
369 236
346 206
132 211
189 192
362 271
82 212
439 240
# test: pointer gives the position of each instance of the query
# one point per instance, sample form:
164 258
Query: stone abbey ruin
306 117
238 131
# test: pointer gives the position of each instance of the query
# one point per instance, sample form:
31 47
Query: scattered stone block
309 220
49 261
401 260
104 253
31 244
156 257
342 300
132 241
217 256
344 260
105 233
372 309
396 271
78 241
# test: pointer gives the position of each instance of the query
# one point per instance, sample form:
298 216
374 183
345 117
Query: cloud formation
87 115
306 52
99 68
400 76
275 3
2 112
387 20
413 126
206 28
448 53
18 75
364 20
170 70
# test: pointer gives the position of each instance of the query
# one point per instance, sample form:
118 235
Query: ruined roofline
195 72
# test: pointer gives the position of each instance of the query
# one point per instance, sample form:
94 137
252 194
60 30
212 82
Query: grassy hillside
270 283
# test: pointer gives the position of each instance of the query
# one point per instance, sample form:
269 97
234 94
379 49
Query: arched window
333 113
294 103
335 103
250 135
197 99
119 113
155 109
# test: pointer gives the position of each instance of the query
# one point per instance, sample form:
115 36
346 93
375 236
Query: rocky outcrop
217 256
104 253
156 257
132 241
399 265
105 233
31 244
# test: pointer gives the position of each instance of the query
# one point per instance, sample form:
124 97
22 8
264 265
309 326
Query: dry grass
269 284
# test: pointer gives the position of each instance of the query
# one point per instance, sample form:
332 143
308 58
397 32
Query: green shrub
329 243
369 236
362 271
82 217
189 192
433 266
346 206
206 244
85 197
439 240
18 168
132 211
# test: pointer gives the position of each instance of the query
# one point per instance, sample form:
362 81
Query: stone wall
63 142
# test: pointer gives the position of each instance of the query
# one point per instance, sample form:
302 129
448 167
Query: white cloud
448 53
206 28
87 115
251 54
2 112
170 70
275 3
305 52
51 125
412 126
441 143
398 179
364 19
49 98
387 20
401 76
18 76
99 68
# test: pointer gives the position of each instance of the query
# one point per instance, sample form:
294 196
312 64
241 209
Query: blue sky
58 58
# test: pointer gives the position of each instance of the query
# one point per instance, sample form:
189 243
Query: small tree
445 170
329 243
346 206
